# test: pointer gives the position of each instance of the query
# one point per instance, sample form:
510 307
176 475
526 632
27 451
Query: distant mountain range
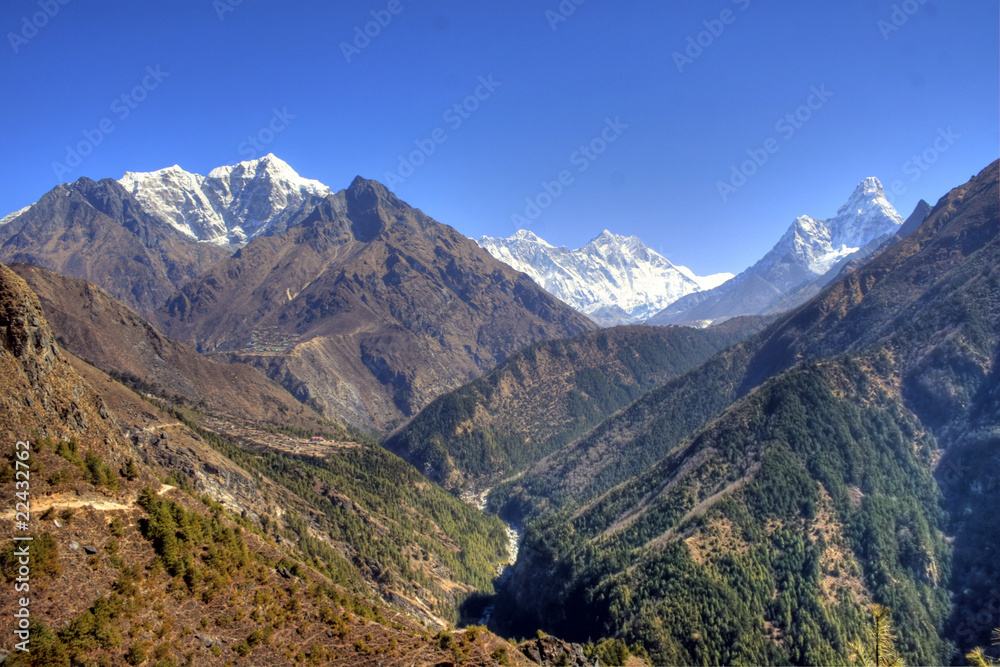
619 280
614 279
185 223
358 304
354 301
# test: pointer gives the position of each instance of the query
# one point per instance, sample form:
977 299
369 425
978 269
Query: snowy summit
613 277
232 204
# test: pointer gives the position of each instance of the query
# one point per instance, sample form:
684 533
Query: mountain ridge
231 205
97 328
608 272
374 307
96 230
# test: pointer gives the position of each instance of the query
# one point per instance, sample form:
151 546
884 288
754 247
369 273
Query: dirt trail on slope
71 500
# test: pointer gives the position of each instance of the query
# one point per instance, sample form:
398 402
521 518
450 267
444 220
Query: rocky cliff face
98 328
41 393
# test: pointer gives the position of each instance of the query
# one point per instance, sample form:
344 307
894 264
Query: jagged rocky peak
233 203
372 208
920 213
866 216
367 194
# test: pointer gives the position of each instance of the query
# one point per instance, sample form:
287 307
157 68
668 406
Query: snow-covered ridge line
10 216
818 245
231 205
617 277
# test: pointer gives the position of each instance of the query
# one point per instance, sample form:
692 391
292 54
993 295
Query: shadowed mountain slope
98 232
548 394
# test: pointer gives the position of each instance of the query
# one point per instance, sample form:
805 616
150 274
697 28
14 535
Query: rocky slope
98 328
125 569
368 309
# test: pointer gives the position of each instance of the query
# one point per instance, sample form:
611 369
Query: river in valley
514 539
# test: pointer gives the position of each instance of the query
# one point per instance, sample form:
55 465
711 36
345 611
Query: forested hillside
745 511
548 394
760 540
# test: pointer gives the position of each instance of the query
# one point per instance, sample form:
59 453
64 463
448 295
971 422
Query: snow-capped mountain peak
817 245
810 249
528 236
268 167
865 216
868 190
609 273
232 204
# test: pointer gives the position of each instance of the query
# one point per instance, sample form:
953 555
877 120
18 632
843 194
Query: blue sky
534 83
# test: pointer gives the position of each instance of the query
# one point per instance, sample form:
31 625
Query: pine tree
878 648
978 657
